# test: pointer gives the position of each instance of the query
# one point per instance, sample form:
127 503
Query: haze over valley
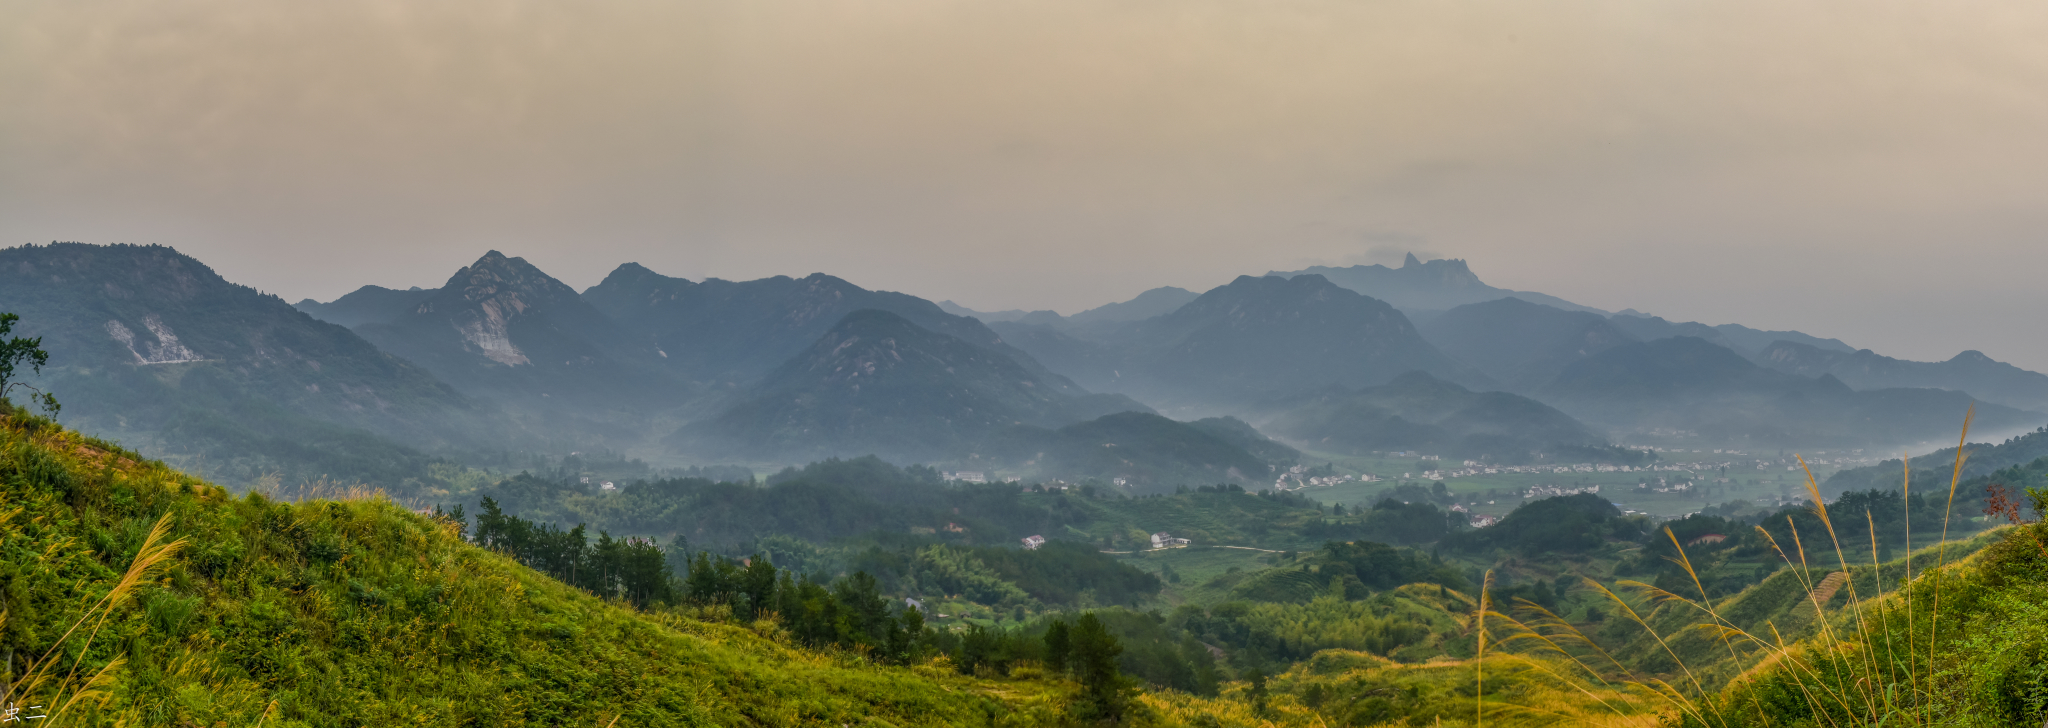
1064 363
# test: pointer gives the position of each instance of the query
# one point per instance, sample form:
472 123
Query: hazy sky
1870 170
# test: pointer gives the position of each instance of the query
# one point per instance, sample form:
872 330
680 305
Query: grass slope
1987 664
358 612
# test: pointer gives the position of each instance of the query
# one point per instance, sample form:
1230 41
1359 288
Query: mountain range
151 347
154 347
1156 302
1253 339
877 383
730 334
1970 371
502 327
1690 385
1736 337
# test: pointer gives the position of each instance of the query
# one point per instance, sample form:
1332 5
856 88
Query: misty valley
1372 495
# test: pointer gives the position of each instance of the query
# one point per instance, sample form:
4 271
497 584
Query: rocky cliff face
150 346
503 329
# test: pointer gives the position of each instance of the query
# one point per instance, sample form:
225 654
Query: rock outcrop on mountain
152 347
502 328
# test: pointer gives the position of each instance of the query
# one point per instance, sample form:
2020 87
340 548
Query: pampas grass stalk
152 554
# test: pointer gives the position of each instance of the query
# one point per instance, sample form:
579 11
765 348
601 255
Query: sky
1871 170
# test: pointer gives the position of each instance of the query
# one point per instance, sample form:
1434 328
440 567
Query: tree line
848 613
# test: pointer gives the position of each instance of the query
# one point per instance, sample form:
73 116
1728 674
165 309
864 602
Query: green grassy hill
359 612
1965 645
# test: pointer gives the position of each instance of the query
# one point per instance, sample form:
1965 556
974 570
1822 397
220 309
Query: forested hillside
1416 411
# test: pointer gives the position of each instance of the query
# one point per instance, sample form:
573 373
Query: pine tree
1059 646
1105 694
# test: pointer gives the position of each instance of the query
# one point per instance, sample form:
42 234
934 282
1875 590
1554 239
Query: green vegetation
1150 453
1572 523
857 590
1965 646
1935 467
153 598
16 351
244 608
1419 412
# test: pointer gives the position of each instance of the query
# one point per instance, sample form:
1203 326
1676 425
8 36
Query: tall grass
1855 670
70 691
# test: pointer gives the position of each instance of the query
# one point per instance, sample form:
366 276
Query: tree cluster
633 569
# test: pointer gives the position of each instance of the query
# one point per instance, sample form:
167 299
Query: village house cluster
1552 491
1300 478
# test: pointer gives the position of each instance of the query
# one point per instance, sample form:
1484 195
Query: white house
1164 540
966 475
1031 543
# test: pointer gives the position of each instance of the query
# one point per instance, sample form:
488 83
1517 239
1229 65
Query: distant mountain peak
633 269
731 333
877 382
1419 285
1262 336
495 274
